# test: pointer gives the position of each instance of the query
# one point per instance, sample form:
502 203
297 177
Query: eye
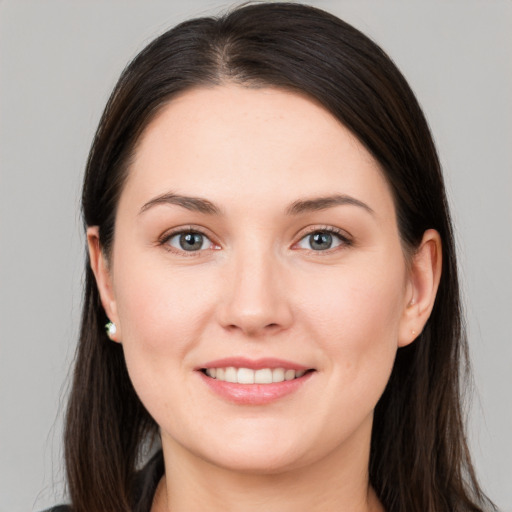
322 240
189 241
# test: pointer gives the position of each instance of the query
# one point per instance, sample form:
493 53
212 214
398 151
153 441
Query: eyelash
164 241
342 236
345 241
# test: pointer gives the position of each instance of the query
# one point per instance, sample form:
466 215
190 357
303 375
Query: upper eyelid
308 230
166 235
346 240
330 229
163 240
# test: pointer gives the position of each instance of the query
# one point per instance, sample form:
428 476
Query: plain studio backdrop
58 63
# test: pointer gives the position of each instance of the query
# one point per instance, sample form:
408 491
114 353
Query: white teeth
245 376
289 374
230 374
263 376
277 375
248 376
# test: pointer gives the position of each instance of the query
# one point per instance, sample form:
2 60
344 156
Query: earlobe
102 274
423 283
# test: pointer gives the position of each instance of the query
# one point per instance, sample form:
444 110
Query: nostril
252 329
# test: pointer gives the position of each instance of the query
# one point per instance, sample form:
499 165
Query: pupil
321 241
191 241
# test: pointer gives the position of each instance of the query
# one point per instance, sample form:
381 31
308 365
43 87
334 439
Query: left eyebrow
322 203
195 204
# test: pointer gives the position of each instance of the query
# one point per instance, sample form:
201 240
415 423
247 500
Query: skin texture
258 289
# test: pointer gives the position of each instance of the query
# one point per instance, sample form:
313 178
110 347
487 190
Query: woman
271 253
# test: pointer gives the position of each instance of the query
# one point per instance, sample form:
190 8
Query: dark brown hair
419 457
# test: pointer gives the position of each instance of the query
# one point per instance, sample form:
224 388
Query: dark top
145 486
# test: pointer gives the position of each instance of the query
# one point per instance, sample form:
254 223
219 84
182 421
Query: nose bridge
256 301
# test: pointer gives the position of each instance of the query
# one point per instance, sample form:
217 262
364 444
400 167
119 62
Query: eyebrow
194 204
322 203
198 204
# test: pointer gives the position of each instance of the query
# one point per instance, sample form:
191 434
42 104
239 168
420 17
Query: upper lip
253 364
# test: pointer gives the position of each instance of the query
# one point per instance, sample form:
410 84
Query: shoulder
147 481
145 485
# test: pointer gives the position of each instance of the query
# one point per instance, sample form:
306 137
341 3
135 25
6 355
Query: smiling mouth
250 376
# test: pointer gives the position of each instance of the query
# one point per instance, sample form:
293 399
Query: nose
255 301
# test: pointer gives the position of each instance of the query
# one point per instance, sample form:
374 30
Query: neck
271 496
337 482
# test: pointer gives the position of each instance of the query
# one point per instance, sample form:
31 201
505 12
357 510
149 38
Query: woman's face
256 239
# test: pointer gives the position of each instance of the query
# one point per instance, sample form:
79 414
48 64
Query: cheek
161 311
354 319
356 316
162 314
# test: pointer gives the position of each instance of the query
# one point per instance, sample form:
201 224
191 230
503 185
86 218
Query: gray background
58 63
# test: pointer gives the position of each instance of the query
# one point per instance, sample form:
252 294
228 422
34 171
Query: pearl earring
111 330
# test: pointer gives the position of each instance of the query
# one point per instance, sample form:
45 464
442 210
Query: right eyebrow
195 204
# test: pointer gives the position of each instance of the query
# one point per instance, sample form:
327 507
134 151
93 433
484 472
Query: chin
262 462
257 452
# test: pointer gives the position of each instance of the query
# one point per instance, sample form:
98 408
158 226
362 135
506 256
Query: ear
100 268
423 282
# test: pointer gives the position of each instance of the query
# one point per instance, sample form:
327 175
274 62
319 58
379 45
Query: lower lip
254 394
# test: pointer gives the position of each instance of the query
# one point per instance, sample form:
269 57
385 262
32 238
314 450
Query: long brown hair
419 458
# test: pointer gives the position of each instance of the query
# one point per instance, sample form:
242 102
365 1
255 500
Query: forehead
255 144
